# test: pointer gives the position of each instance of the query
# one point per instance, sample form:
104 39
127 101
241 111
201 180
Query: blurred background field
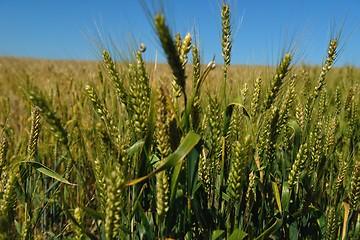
64 80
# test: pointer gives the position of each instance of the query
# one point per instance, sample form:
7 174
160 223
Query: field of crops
183 150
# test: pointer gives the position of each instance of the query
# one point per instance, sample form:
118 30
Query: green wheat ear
115 202
215 127
344 165
281 72
331 223
330 59
139 96
239 160
203 171
115 77
256 97
298 166
171 51
98 167
185 49
178 42
354 197
226 34
327 65
268 135
103 113
79 217
34 133
162 195
8 199
236 170
162 124
250 196
196 81
226 44
4 146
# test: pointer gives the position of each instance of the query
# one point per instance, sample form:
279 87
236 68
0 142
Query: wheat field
179 150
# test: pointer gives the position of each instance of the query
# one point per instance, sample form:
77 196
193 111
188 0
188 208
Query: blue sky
262 28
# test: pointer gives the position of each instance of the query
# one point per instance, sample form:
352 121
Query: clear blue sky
67 29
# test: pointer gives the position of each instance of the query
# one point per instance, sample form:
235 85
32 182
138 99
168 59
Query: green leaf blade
48 172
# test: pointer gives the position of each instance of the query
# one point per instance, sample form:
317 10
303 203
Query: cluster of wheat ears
136 156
